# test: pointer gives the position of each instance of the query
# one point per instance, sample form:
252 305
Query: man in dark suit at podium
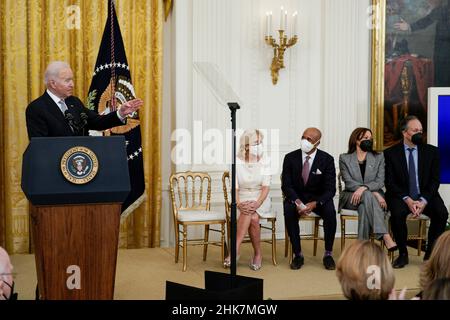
412 184
309 185
58 113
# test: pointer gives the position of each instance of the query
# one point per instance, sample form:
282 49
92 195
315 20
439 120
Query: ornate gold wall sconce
283 44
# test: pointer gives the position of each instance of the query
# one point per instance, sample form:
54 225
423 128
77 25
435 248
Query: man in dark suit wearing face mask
58 113
412 183
309 185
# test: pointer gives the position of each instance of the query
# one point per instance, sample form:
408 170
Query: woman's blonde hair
438 289
249 136
358 262
438 266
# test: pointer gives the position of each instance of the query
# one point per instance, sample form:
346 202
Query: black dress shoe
392 249
297 262
328 262
401 261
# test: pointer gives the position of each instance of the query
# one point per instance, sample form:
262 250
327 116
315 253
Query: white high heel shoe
227 262
255 266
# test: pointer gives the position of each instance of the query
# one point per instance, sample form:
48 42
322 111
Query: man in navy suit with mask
412 184
309 185
58 113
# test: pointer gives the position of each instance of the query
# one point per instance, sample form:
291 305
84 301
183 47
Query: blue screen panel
444 137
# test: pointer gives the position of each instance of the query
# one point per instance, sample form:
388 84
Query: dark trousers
435 210
327 212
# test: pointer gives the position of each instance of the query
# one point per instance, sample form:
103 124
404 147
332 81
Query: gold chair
350 215
314 235
420 236
347 214
191 200
226 184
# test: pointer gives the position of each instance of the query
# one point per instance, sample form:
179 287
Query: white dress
250 178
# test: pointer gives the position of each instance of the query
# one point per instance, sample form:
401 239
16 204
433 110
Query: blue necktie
413 191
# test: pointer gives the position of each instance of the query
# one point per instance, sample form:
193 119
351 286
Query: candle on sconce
267 24
294 23
281 18
285 21
269 31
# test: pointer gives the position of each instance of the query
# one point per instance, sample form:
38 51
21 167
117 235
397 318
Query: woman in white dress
252 187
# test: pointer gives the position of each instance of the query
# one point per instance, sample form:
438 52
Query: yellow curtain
35 32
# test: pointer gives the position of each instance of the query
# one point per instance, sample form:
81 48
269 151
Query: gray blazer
351 174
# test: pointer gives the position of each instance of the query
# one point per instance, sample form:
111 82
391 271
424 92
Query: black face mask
417 138
366 145
12 295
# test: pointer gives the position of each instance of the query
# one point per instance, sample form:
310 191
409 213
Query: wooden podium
75 226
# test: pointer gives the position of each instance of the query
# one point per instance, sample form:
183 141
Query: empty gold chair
191 198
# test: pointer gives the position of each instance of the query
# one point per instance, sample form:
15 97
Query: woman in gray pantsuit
362 170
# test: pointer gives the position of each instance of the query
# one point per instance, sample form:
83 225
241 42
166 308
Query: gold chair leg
286 242
184 248
274 244
177 242
290 252
342 233
316 235
205 244
420 237
223 243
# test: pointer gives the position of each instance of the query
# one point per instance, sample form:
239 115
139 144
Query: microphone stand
233 108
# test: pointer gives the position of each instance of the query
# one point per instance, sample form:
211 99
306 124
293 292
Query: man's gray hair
53 70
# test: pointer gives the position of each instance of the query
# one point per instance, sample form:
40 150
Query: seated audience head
438 266
365 272
6 278
58 78
310 140
412 130
250 143
361 138
438 289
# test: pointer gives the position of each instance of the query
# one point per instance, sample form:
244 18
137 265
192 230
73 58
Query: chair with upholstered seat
421 234
314 235
191 200
265 223
350 215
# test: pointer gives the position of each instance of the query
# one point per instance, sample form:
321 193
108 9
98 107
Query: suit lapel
420 163
55 111
316 163
300 168
402 156
370 163
355 166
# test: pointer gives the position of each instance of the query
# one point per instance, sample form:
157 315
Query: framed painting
410 53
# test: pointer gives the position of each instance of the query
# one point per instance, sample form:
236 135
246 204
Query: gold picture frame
406 60
377 66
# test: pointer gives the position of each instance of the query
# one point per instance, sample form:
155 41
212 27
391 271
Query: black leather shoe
297 262
401 261
328 262
392 249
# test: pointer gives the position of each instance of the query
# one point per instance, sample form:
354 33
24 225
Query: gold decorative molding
378 65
